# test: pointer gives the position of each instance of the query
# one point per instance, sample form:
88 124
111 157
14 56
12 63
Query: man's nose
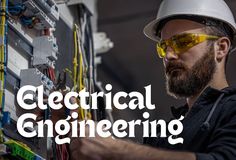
171 54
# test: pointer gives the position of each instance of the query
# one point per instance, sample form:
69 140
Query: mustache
170 66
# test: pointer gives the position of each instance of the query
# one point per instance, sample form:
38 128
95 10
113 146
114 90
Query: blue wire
16 9
26 20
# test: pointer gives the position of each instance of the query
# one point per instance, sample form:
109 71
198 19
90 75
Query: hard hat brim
150 30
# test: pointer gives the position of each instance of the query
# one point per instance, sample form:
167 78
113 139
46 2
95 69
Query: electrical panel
28 29
38 14
42 20
50 8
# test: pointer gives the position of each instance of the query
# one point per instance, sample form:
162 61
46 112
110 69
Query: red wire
62 152
49 73
54 76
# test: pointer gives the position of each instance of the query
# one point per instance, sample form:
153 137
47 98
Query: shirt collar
208 95
179 111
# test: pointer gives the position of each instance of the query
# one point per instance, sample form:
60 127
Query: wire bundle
3 51
50 73
62 152
18 10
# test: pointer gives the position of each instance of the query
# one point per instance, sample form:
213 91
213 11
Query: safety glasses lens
181 43
161 52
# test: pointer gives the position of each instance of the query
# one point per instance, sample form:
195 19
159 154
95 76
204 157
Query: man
194 38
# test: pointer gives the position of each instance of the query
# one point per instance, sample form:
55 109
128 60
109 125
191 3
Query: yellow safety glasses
182 42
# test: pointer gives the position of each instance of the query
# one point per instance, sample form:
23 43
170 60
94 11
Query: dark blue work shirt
209 127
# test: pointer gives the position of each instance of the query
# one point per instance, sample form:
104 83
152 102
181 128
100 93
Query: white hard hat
213 9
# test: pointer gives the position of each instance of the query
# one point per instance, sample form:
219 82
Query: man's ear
222 48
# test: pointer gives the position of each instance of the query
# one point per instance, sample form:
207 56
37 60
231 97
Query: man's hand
95 148
99 148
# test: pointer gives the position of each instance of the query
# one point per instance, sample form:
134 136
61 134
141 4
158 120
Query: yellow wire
75 65
67 70
78 79
1 136
84 113
2 34
75 60
81 86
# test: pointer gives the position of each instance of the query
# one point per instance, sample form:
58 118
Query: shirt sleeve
222 144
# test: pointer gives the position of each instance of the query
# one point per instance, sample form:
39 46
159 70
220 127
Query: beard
183 82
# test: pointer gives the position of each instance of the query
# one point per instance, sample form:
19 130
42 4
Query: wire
62 152
53 75
54 150
17 9
3 51
5 55
75 60
26 21
78 78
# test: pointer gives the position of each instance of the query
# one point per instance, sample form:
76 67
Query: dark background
133 62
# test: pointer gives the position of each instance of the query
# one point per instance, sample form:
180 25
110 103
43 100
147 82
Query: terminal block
20 150
34 77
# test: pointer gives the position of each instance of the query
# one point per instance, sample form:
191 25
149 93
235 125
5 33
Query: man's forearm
115 149
133 151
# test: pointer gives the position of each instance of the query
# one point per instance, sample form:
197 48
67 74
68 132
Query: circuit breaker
45 51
